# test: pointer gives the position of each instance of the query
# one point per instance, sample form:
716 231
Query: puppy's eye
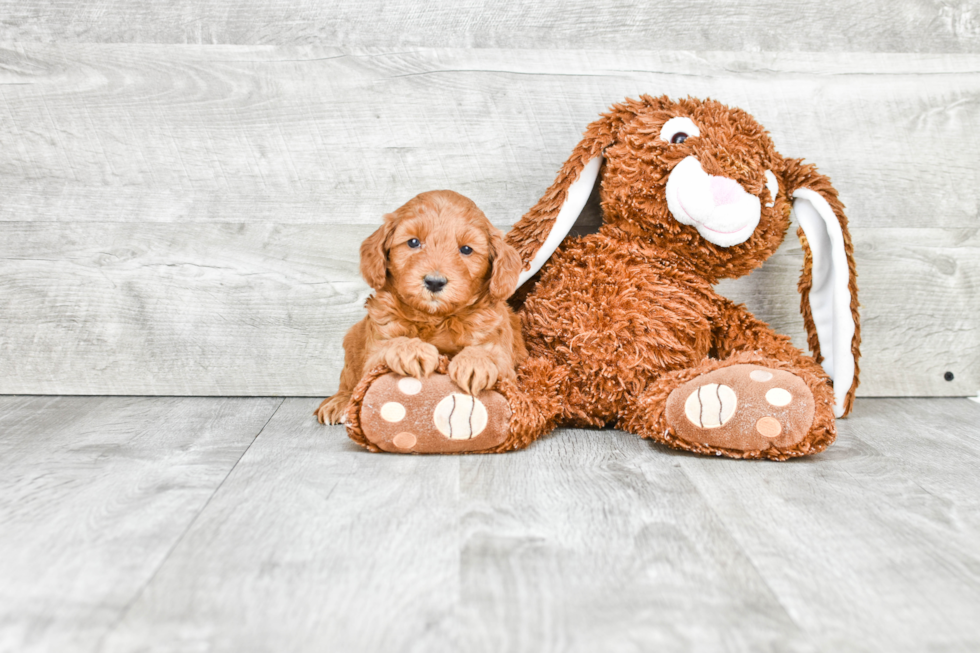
414 243
678 130
465 250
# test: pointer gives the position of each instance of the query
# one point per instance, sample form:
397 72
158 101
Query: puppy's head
439 253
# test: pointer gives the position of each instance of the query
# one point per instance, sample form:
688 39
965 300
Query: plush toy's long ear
539 233
828 283
374 253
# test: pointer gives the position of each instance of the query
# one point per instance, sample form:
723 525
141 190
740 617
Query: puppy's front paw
473 370
411 357
332 409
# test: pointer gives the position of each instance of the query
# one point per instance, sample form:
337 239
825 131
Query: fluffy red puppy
442 274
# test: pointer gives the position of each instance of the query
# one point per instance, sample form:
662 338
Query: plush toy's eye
678 130
465 250
414 243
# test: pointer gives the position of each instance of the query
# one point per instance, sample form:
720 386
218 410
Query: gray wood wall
184 185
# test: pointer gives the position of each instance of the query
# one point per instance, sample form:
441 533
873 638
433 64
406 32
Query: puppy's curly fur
442 274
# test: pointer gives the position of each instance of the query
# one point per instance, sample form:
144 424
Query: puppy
442 274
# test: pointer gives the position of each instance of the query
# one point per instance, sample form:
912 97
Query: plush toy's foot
401 414
389 412
741 408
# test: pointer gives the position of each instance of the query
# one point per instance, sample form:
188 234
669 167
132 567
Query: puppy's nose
435 282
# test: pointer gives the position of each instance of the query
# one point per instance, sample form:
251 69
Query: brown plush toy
623 327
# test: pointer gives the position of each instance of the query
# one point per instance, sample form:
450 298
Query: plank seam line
741 547
136 597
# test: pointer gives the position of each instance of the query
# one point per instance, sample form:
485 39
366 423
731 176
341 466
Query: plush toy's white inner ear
773 185
577 196
830 298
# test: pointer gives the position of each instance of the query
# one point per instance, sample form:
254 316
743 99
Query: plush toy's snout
721 210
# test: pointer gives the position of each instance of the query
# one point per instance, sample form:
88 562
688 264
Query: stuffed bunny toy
623 327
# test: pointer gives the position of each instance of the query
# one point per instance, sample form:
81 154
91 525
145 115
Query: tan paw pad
768 427
404 440
460 416
778 397
392 411
711 405
409 385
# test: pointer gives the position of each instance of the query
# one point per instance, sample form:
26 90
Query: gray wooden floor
231 524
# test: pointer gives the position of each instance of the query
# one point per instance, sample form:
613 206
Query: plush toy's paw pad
402 414
742 407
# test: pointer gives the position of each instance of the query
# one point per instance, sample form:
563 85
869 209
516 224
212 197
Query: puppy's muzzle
435 282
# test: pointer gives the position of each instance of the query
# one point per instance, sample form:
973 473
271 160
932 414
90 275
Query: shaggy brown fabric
615 316
629 314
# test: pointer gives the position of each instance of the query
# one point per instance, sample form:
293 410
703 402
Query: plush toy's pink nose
725 190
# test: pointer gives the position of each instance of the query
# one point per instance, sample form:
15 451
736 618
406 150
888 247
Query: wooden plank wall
183 185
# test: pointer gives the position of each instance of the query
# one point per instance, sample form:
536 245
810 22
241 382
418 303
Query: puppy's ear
374 253
828 282
506 266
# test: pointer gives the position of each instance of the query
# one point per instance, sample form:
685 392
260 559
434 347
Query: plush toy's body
623 327
620 349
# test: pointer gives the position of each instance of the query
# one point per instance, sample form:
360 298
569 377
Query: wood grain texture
589 540
94 493
199 309
569 546
177 309
844 26
146 133
313 544
920 307
899 565
597 541
184 219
